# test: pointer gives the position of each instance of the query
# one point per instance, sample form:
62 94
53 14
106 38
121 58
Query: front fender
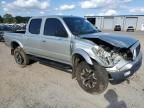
84 54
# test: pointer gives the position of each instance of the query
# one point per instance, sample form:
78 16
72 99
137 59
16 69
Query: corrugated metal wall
109 22
99 22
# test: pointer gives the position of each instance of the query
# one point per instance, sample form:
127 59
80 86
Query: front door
55 41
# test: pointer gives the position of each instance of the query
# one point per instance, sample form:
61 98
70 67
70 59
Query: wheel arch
15 44
78 56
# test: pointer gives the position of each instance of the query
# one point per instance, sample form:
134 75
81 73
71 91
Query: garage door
108 23
119 21
131 21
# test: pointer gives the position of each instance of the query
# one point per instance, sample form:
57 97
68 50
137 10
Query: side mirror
98 29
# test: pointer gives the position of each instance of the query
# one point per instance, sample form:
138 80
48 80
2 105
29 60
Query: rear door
32 42
55 41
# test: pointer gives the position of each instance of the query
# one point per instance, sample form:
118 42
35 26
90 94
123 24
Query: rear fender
12 45
18 42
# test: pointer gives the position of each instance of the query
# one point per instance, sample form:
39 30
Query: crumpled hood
113 39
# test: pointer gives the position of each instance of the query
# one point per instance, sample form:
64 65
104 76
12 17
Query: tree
1 19
20 19
26 19
8 18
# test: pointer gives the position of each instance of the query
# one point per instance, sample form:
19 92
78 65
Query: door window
35 26
53 27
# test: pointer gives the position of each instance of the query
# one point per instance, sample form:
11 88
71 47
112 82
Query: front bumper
126 70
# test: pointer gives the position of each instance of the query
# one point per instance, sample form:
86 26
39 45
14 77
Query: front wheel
93 80
20 57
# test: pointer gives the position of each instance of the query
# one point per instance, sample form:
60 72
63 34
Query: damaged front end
120 62
110 55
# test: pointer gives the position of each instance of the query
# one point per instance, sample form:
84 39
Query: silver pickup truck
96 58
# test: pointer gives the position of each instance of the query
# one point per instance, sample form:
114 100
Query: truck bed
14 36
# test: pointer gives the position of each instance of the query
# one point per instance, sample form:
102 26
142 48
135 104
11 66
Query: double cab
96 58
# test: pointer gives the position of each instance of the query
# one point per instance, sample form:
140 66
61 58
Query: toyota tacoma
96 58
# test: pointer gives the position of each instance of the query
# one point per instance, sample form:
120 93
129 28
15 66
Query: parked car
95 57
130 29
117 28
3 28
1 36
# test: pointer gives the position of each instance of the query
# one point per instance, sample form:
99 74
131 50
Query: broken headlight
108 59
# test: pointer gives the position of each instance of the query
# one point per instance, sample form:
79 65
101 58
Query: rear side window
35 26
53 27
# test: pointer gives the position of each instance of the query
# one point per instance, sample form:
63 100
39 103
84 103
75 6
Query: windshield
79 26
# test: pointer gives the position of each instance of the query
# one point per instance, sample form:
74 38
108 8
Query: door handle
59 39
43 40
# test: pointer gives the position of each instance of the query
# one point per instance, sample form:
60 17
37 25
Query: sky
71 7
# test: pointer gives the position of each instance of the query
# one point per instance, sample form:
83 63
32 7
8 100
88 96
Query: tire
20 57
96 80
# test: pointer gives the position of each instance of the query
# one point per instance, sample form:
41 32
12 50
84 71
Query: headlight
109 59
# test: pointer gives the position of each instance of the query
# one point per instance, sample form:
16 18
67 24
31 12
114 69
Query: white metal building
109 22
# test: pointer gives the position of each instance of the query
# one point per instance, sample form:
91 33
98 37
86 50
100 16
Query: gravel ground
45 86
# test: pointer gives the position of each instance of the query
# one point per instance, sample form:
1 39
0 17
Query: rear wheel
92 80
20 57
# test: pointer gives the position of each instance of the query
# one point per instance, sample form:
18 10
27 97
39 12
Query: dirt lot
44 86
